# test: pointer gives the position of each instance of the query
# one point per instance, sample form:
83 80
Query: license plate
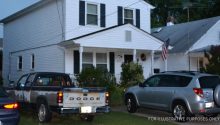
86 109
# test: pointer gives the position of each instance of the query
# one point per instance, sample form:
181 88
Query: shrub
96 77
132 73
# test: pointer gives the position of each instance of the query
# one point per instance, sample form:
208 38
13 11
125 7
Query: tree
213 57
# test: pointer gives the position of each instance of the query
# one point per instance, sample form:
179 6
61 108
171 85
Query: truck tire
87 118
131 104
43 112
217 95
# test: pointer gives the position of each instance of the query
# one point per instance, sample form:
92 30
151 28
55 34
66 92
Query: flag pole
165 61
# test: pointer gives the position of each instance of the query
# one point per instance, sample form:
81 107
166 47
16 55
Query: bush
132 73
96 77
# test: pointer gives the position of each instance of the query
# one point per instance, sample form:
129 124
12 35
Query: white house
69 35
188 41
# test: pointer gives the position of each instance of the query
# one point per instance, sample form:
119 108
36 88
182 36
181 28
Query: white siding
38 28
212 37
73 29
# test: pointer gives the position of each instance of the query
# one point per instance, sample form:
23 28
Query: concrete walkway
164 116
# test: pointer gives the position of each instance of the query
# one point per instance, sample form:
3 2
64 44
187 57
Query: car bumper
10 119
204 108
77 110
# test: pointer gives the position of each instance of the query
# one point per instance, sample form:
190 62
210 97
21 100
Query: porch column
134 56
152 62
80 58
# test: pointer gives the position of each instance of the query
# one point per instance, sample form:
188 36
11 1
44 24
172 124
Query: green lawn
113 118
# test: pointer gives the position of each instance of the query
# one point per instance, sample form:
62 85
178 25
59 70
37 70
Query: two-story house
69 35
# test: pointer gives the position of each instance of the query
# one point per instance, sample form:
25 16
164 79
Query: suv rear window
2 93
209 81
174 81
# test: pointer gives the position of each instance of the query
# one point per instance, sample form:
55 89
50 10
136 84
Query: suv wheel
180 112
44 113
88 118
131 104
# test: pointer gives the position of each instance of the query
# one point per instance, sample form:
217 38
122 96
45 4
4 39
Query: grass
113 118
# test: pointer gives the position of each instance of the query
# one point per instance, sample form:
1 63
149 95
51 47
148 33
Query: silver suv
183 93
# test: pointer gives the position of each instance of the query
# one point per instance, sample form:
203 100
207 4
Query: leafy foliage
131 74
213 57
198 9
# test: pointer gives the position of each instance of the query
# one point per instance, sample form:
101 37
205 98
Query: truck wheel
88 118
131 104
180 112
44 113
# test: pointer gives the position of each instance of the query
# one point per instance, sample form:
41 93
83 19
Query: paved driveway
164 116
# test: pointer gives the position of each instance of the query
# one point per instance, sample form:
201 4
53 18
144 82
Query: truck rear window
209 81
53 80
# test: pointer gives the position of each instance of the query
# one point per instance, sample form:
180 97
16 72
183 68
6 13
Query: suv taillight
198 91
106 98
60 97
11 106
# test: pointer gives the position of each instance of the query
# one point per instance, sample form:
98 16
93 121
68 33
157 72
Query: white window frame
18 63
106 63
98 13
134 15
32 61
87 62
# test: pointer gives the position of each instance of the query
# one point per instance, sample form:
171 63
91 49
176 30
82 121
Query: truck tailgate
78 97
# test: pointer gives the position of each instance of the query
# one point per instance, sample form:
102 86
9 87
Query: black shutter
82 13
102 9
112 62
76 62
138 18
120 15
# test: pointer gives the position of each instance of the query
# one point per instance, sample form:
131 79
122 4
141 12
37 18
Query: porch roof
115 37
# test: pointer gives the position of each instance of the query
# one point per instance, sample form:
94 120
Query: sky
8 7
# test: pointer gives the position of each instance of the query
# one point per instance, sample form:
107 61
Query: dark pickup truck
54 92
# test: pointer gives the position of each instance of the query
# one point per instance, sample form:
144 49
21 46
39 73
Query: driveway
164 116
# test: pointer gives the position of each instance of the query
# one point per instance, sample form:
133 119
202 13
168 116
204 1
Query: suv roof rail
183 71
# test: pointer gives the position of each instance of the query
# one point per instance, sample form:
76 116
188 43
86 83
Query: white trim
80 58
98 13
94 59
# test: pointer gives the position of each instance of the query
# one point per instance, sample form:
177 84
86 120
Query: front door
128 58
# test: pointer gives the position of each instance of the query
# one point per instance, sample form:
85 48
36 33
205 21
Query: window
153 81
20 63
32 61
87 60
128 16
22 81
92 14
209 81
128 36
53 80
101 61
174 81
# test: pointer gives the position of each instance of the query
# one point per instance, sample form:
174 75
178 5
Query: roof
185 35
106 29
25 11
33 7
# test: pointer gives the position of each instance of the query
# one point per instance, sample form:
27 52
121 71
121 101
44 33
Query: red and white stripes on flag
165 50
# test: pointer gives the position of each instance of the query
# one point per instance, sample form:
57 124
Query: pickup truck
54 92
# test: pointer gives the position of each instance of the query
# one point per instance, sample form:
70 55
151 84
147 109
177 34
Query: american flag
165 49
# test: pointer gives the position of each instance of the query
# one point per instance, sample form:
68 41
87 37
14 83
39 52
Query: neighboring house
69 35
188 41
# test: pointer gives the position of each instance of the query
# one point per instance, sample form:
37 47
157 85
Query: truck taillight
198 92
11 106
60 97
106 98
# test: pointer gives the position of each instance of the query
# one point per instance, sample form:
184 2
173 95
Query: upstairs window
92 14
32 61
128 16
20 63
